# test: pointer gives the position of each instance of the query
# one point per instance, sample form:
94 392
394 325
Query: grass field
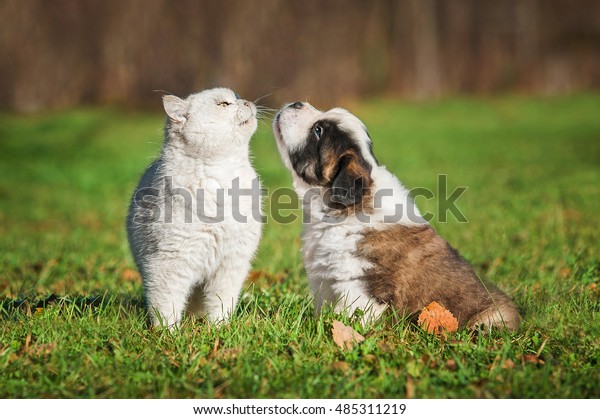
72 317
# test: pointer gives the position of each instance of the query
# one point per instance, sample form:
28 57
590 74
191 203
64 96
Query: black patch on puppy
333 160
345 189
349 183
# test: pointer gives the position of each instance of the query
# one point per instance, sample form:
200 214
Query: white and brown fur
371 265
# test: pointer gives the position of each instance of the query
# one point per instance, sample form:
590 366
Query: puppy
366 246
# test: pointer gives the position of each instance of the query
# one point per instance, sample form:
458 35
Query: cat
192 233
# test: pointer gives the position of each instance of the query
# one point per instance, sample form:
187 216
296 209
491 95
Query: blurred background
64 53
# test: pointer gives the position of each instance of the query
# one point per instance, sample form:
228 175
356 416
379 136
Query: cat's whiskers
264 112
275 90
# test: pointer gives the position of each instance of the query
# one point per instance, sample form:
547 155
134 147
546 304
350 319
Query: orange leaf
508 364
254 276
532 359
435 318
130 275
451 365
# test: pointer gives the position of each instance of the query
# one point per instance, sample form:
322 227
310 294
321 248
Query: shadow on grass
10 307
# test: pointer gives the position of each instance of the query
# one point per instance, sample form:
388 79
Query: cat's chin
248 121
248 127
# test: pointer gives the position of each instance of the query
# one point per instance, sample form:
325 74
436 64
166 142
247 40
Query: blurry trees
66 52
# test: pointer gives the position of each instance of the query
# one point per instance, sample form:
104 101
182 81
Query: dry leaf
130 275
451 365
532 359
42 349
508 365
228 354
340 366
277 277
254 276
344 336
435 318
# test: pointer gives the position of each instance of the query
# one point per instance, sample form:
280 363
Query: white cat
195 219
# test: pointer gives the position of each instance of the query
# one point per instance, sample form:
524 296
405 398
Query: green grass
532 168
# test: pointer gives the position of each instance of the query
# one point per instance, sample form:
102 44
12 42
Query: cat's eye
224 104
318 131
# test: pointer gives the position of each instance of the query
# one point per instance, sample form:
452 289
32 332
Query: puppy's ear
351 180
176 108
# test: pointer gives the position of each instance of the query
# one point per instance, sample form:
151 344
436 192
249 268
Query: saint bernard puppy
366 246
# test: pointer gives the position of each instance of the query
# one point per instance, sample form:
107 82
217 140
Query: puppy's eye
318 131
224 104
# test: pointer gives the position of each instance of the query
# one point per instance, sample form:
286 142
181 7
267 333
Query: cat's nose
297 105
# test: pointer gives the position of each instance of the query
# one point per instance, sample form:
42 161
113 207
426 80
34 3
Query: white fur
199 266
330 244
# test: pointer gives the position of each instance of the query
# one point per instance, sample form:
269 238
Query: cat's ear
176 108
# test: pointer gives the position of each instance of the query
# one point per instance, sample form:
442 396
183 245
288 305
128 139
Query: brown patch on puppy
413 266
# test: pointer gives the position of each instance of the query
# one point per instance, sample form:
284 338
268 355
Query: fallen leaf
228 354
451 365
254 276
435 318
42 349
342 366
277 277
508 365
344 336
130 275
531 359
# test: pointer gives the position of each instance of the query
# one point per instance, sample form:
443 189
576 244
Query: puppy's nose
297 105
